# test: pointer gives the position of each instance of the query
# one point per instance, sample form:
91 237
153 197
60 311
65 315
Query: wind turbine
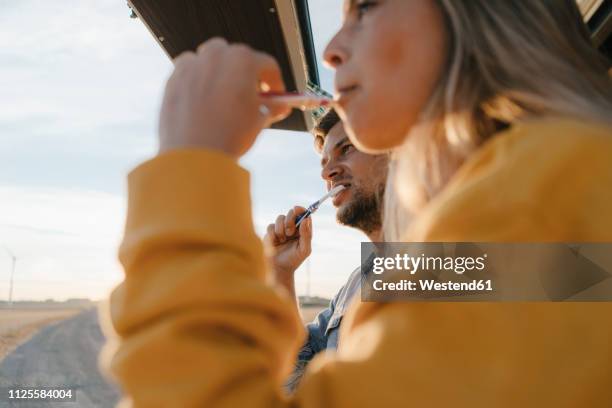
308 278
13 264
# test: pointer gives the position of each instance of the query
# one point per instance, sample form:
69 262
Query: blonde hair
508 61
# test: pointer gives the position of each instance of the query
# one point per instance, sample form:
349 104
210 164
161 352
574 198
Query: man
359 206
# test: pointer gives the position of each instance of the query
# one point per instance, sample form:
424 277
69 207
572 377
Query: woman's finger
269 77
211 45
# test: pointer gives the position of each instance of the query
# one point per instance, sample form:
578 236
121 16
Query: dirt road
63 354
17 325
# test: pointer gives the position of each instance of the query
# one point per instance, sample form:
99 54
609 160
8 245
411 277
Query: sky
80 89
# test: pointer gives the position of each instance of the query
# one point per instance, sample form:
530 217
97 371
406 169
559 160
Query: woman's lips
345 93
348 88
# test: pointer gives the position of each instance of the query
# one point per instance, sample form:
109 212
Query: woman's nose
335 54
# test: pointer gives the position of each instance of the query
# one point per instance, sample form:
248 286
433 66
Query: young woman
498 112
444 78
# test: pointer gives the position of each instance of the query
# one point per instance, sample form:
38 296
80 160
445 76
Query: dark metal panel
601 27
309 47
181 25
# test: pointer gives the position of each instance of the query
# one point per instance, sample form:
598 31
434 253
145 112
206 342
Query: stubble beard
363 211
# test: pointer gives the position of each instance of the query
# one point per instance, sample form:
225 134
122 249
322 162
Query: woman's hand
212 99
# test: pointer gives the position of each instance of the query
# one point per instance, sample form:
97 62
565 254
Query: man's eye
363 7
346 148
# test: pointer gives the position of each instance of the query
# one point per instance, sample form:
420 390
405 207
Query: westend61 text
433 285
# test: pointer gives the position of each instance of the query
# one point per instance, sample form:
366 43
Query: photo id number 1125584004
39 394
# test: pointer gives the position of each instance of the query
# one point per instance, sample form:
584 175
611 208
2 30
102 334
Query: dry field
18 325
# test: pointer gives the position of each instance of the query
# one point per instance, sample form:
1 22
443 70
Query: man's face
364 175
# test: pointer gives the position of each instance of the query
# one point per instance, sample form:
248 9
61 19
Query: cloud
65 238
74 72
81 87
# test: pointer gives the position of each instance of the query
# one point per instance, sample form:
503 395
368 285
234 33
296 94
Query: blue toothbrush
315 206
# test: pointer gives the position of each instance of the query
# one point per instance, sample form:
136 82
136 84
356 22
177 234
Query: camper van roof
279 28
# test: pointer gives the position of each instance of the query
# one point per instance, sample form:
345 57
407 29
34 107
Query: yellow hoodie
194 323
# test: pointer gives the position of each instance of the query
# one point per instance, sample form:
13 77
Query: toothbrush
302 101
315 206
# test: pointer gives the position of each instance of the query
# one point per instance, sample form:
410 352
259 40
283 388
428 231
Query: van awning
280 28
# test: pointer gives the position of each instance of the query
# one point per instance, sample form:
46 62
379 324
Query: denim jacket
323 330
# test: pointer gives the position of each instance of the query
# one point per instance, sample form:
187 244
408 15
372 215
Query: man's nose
330 172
